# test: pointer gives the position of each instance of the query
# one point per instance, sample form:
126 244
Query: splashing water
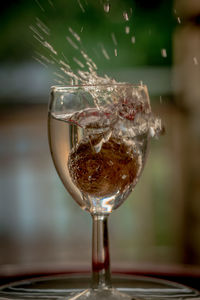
133 40
125 15
195 60
114 38
104 52
127 29
75 35
86 73
107 7
164 52
81 6
40 6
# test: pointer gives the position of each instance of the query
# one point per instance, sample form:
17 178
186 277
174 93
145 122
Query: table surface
186 276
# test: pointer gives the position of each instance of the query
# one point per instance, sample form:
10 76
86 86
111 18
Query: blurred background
158 227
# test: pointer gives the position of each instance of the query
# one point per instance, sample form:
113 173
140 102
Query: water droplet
51 3
42 26
105 53
195 60
114 38
40 6
54 59
64 64
179 20
111 163
62 98
36 32
81 6
125 15
60 76
72 43
59 81
63 55
41 62
151 131
50 47
106 7
164 52
44 58
133 40
127 29
79 63
75 35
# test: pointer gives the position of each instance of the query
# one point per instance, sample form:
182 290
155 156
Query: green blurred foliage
151 24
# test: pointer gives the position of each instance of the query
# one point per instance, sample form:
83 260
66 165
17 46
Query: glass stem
101 276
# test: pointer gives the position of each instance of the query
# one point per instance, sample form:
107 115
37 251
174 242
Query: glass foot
74 286
109 294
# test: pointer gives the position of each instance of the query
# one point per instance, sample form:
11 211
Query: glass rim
66 87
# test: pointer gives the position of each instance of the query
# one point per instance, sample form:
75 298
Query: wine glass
98 136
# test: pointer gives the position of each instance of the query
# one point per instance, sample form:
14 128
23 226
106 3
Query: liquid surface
101 174
98 156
